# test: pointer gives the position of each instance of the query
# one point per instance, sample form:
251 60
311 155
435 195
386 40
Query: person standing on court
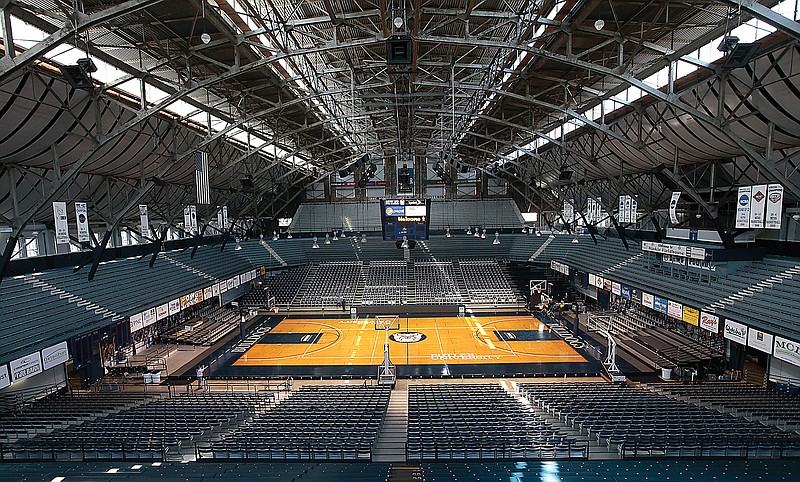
200 370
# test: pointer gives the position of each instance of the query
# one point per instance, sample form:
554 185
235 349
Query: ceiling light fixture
599 24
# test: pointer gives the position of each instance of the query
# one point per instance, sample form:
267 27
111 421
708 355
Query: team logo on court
410 337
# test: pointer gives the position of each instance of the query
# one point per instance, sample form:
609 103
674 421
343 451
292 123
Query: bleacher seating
145 431
486 282
639 423
385 283
435 282
317 422
285 285
753 403
472 421
333 282
207 327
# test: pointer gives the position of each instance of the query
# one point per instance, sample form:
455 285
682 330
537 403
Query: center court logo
410 337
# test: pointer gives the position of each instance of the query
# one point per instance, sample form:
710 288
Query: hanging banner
782 349
136 322
628 214
224 217
149 317
674 310
616 288
743 208
621 210
634 208
174 306
144 221
223 287
215 289
162 311
55 355
673 207
647 300
774 215
759 340
709 322
207 293
735 332
691 315
193 217
660 304
4 379
187 220
592 279
62 229
25 367
82 222
568 213
758 202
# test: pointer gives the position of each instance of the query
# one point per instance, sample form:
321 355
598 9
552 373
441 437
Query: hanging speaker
399 50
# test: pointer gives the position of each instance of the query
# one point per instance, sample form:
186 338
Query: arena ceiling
627 95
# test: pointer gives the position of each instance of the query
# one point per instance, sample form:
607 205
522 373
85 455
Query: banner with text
786 350
774 214
709 322
55 355
673 207
757 204
743 208
735 332
82 222
759 340
62 229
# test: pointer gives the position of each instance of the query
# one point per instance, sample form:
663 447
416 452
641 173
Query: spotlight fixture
496 238
274 235
477 233
483 233
79 75
335 238
539 233
364 238
398 22
327 238
728 43
315 245
599 24
288 235
447 233
238 245
206 38
261 239
575 240
469 231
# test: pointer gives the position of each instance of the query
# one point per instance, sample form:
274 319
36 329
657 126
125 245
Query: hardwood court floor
429 341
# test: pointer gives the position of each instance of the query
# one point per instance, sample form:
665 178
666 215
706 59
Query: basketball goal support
603 324
387 372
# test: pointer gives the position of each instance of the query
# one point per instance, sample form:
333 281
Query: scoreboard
405 217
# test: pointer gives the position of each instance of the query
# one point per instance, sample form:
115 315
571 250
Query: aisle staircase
390 445
541 249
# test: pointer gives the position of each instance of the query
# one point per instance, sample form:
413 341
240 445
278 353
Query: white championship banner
144 221
743 208
774 214
55 355
673 207
60 218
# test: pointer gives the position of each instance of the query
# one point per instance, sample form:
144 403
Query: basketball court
418 346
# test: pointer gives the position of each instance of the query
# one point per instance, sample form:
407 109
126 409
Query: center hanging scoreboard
405 217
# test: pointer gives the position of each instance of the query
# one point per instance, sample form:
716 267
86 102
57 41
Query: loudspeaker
399 50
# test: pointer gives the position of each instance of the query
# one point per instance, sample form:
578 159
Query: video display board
405 217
